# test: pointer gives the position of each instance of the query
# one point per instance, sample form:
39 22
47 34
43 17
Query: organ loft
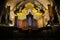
29 14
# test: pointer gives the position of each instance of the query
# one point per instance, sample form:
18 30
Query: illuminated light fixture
48 25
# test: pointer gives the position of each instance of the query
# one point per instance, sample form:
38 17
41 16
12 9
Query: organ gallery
29 17
30 14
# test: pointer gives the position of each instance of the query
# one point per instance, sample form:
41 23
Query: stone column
16 20
59 13
7 14
50 11
54 13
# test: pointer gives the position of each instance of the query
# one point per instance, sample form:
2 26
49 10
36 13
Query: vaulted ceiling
13 3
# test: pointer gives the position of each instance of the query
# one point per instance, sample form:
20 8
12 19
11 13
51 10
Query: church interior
29 18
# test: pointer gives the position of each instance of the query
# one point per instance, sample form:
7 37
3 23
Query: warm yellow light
34 10
40 23
35 13
29 5
19 15
39 14
24 11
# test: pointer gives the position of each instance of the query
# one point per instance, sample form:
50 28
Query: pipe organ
28 23
29 18
29 14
